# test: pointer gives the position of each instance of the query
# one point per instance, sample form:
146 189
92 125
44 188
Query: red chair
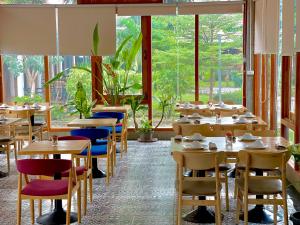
38 189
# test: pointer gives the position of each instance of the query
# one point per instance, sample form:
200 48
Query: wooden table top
9 121
195 108
103 108
92 122
42 108
63 147
233 149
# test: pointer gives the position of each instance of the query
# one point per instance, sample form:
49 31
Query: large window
62 92
173 57
23 78
221 57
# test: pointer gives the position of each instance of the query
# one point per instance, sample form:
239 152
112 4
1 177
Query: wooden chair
198 186
45 123
38 189
261 133
270 184
24 130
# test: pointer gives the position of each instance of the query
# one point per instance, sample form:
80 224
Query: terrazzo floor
141 193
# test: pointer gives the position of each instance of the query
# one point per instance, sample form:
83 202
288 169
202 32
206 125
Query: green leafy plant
135 103
81 103
146 126
295 151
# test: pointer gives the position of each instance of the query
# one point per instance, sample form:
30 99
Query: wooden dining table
194 108
224 121
204 215
97 122
58 215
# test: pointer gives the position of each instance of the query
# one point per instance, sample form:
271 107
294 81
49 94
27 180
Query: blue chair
121 128
98 151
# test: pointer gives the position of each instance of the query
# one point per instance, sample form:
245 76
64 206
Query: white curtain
288 27
210 8
76 25
146 9
27 30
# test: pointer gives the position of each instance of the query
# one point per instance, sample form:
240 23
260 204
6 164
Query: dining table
252 123
97 122
259 214
6 125
58 215
188 109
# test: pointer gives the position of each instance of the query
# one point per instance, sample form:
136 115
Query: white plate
256 147
253 138
191 147
191 138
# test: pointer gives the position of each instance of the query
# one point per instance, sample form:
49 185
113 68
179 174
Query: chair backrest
199 160
207 130
264 160
92 133
69 138
46 167
118 115
261 133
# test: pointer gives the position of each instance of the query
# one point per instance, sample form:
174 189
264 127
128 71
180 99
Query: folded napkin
212 146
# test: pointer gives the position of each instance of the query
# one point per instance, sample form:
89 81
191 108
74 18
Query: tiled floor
141 193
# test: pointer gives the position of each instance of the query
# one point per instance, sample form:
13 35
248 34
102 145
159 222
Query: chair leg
218 210
179 203
79 203
285 210
40 205
226 191
275 208
19 209
238 208
84 193
68 209
107 170
15 151
246 209
8 157
32 211
91 187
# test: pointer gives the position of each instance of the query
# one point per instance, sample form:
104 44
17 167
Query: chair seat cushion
264 187
46 187
40 123
118 128
96 150
100 142
5 139
199 188
79 171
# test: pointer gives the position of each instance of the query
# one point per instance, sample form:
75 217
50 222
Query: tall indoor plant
115 70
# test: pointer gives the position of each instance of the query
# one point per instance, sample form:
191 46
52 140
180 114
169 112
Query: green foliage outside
28 99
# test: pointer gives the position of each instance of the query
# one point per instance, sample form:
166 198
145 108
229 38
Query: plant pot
146 136
295 218
296 166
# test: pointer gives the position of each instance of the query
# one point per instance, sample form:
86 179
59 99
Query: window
23 78
62 92
173 59
221 57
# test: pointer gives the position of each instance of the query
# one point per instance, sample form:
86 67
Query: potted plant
146 131
295 151
80 103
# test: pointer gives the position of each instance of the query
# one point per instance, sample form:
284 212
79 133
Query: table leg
58 215
96 172
202 214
